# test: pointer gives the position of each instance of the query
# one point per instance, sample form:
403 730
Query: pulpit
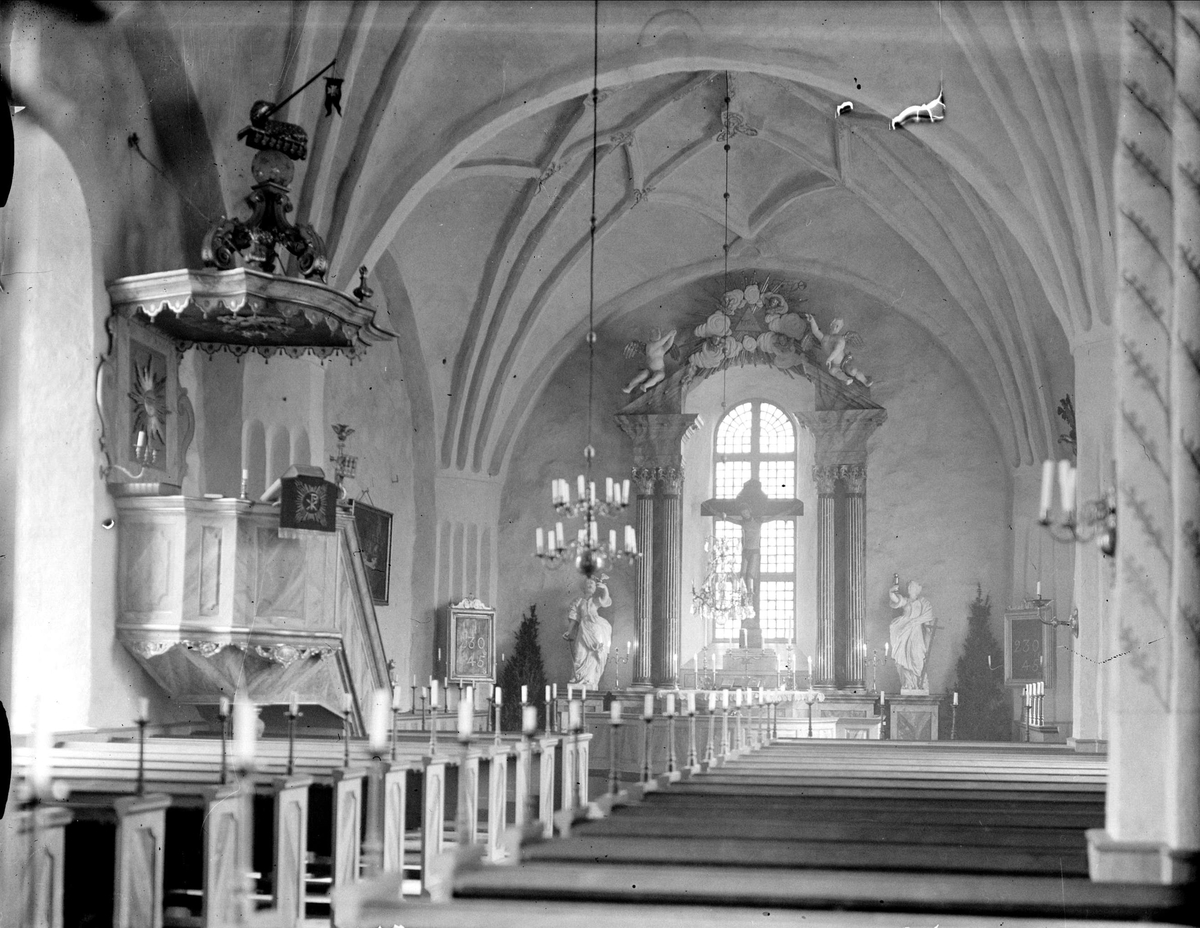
212 596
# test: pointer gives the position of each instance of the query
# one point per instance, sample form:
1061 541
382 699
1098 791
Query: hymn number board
470 642
1028 648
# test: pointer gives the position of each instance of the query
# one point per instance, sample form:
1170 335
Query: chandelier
587 550
722 598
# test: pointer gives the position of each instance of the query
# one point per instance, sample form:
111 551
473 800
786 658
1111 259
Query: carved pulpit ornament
244 300
750 509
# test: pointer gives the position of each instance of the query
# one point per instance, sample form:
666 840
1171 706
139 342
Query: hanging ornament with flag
333 95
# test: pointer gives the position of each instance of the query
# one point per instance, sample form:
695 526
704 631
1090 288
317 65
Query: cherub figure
655 349
834 342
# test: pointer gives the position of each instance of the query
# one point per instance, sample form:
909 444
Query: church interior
600 462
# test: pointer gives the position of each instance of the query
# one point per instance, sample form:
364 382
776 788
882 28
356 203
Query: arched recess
58 563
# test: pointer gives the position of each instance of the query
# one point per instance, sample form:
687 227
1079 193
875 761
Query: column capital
658 437
841 434
826 476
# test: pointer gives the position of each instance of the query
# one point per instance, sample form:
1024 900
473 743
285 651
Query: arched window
758 440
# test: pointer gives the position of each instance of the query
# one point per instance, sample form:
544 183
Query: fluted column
826 480
658 439
840 474
855 476
664 663
644 479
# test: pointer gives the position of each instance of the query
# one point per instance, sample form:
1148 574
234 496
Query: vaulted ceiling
460 171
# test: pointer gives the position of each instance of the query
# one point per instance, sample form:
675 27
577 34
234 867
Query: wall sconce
1054 621
142 453
1094 520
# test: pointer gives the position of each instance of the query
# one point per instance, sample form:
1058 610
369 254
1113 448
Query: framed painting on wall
468 640
375 544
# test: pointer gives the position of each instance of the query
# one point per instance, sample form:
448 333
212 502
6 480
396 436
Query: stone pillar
1151 813
840 474
644 479
658 439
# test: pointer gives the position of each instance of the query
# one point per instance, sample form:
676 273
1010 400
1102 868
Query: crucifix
750 509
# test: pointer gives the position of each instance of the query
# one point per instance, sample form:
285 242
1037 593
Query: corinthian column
855 477
669 596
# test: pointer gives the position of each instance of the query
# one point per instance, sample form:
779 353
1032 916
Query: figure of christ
750 509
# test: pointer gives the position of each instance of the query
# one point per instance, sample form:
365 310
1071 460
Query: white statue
590 633
655 370
911 635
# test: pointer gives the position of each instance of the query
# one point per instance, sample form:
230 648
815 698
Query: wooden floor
826 833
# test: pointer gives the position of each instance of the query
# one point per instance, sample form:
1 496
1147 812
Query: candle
347 703
882 697
433 693
143 709
466 719
424 693
583 692
724 699
245 475
552 541
955 699
1064 485
1047 491
377 728
886 648
294 704
559 533
524 693
554 691
738 698
810 665
580 486
670 704
592 490
630 540
624 492
612 539
439 655
648 707
529 720
245 731
691 703
141 439
614 712
712 700
547 692
1039 589
575 715
497 696
396 698
539 543
608 491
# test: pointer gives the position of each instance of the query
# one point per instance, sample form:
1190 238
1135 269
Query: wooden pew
140 843
32 851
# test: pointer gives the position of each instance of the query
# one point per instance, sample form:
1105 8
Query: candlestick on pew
245 734
414 699
691 711
737 719
293 713
724 722
245 737
614 717
529 724
712 717
384 703
395 713
670 714
347 708
143 717
223 716
575 727
466 729
648 718
424 698
953 717
497 703
433 707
